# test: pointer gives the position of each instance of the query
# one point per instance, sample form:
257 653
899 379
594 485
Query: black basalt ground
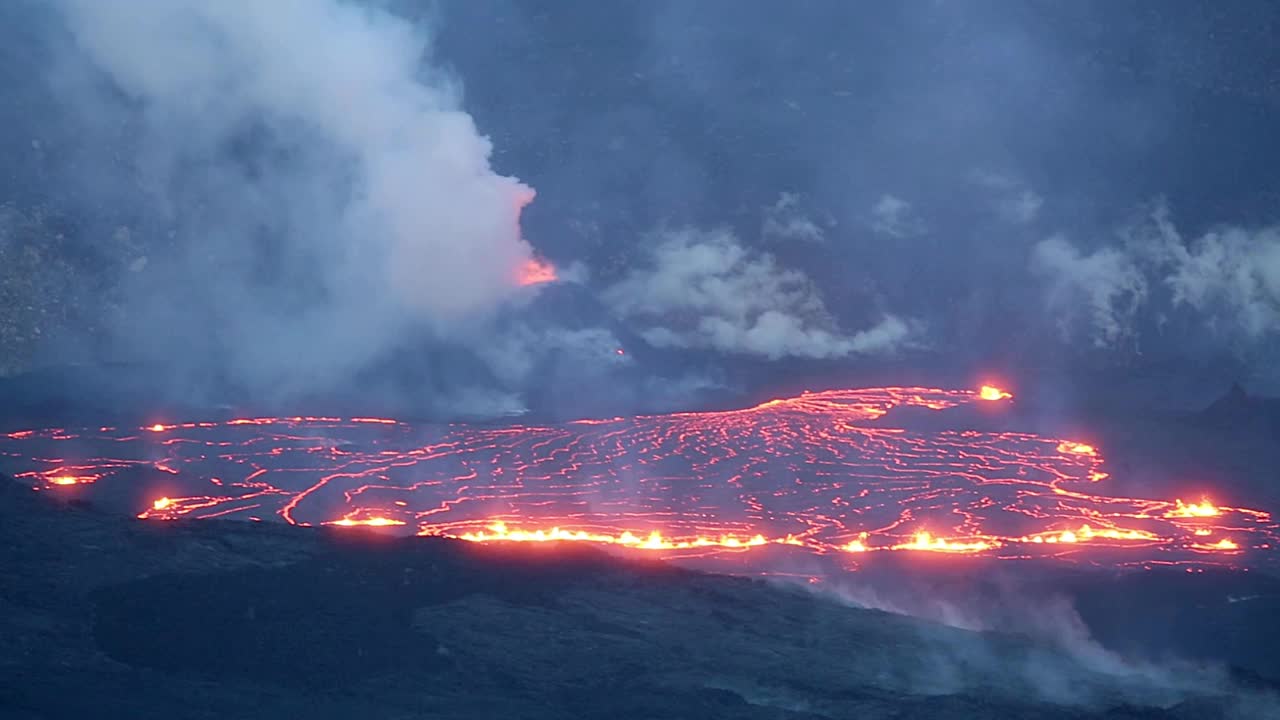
111 617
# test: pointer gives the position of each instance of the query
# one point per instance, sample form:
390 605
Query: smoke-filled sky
329 188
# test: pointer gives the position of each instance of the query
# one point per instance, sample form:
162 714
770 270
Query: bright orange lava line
1200 509
368 522
810 471
499 532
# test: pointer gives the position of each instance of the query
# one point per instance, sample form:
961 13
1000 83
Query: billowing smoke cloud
515 353
1227 280
1104 287
323 192
1070 666
297 221
704 289
1230 274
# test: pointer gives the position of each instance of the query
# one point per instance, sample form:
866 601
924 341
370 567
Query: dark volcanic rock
109 617
1237 409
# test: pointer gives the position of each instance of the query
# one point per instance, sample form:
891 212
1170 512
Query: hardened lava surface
823 472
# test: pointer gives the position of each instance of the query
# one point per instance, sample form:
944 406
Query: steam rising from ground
706 290
1080 670
1228 279
323 190
311 194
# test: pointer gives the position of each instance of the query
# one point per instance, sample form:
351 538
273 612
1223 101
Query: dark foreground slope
106 617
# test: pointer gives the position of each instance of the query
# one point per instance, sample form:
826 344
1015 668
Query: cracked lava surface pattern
823 472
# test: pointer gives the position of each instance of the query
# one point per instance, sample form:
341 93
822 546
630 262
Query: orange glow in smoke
536 272
992 393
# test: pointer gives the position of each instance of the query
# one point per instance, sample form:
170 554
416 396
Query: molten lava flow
1200 509
822 472
366 522
536 272
498 531
1077 448
925 541
992 393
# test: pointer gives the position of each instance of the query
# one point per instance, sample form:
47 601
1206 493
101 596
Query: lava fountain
821 473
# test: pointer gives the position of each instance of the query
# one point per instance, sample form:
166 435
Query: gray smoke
1227 280
323 191
701 289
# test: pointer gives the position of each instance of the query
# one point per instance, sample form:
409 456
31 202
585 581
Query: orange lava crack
810 471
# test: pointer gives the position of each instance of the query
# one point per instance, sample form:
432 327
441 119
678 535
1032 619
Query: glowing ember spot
64 480
1192 510
536 272
856 545
992 393
1076 448
367 522
161 504
1223 544
157 428
1085 533
925 541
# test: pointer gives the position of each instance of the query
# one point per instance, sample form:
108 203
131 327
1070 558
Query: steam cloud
1105 286
327 196
704 289
1228 278
323 189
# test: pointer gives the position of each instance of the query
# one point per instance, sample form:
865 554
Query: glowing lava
992 393
1200 509
536 272
811 472
499 531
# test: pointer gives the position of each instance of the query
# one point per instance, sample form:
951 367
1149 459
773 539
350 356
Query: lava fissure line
805 471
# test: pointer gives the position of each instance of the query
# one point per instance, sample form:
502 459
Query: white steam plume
1227 278
315 120
1105 286
705 290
